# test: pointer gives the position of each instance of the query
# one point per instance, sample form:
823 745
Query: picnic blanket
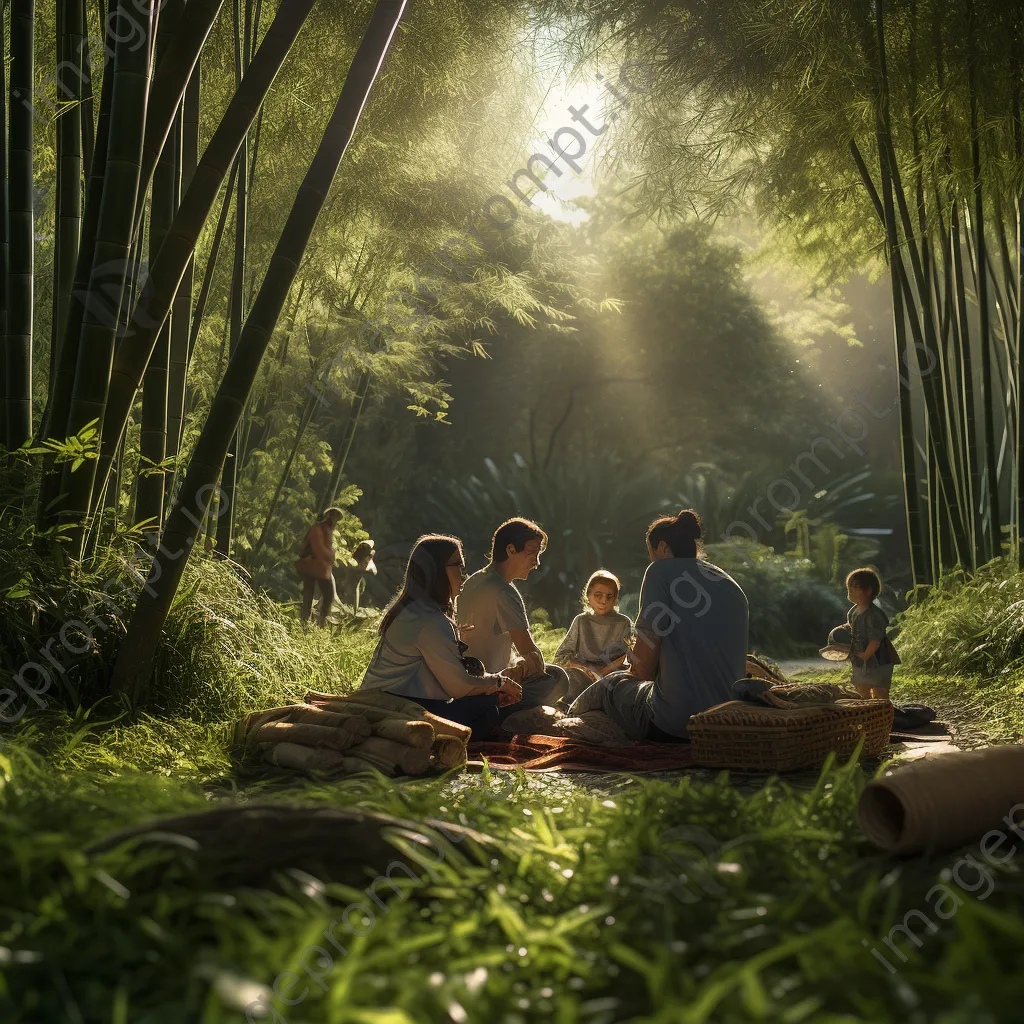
539 753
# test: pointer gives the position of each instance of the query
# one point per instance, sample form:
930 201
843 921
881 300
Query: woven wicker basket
742 735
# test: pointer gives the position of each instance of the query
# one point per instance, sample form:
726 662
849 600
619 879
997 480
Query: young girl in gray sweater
597 640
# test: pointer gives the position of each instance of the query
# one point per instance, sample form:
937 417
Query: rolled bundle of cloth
947 801
332 736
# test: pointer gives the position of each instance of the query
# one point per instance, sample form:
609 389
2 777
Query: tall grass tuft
228 649
968 624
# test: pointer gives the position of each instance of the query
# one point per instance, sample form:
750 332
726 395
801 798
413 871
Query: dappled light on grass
682 898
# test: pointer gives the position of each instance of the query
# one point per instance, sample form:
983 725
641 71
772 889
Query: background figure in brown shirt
316 566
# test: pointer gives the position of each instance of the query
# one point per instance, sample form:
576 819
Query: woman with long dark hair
418 655
691 639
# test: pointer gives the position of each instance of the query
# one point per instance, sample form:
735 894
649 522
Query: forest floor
688 898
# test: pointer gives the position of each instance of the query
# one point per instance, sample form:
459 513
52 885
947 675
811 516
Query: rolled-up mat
943 802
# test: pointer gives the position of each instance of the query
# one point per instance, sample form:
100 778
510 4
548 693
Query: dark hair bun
690 522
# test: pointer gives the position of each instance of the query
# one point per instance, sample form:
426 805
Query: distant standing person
597 641
691 641
351 579
316 566
494 608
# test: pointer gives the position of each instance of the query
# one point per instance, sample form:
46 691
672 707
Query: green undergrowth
968 625
661 899
673 901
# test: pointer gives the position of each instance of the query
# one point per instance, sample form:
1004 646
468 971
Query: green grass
656 900
665 900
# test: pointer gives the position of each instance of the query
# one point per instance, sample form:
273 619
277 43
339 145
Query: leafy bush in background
791 608
226 648
968 624
595 515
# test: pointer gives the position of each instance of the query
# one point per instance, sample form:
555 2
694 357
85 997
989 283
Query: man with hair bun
691 641
494 608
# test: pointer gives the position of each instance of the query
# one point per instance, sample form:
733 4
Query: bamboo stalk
149 501
21 227
229 472
181 312
987 394
111 258
4 235
133 667
68 199
179 246
55 421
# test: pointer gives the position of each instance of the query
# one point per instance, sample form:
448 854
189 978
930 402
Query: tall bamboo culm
130 361
68 214
133 667
4 232
21 226
229 474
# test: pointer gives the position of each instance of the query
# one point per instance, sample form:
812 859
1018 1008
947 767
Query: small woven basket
748 736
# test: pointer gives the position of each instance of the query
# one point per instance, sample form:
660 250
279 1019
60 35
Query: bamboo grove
890 127
185 302
151 122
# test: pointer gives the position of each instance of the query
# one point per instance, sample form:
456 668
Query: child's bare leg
880 693
863 689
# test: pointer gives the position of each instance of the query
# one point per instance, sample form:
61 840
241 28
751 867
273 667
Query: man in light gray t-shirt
495 609
490 603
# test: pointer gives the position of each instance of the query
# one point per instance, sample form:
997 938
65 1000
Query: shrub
791 609
968 624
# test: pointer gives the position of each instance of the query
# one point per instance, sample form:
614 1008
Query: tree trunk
134 664
179 245
110 262
21 226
